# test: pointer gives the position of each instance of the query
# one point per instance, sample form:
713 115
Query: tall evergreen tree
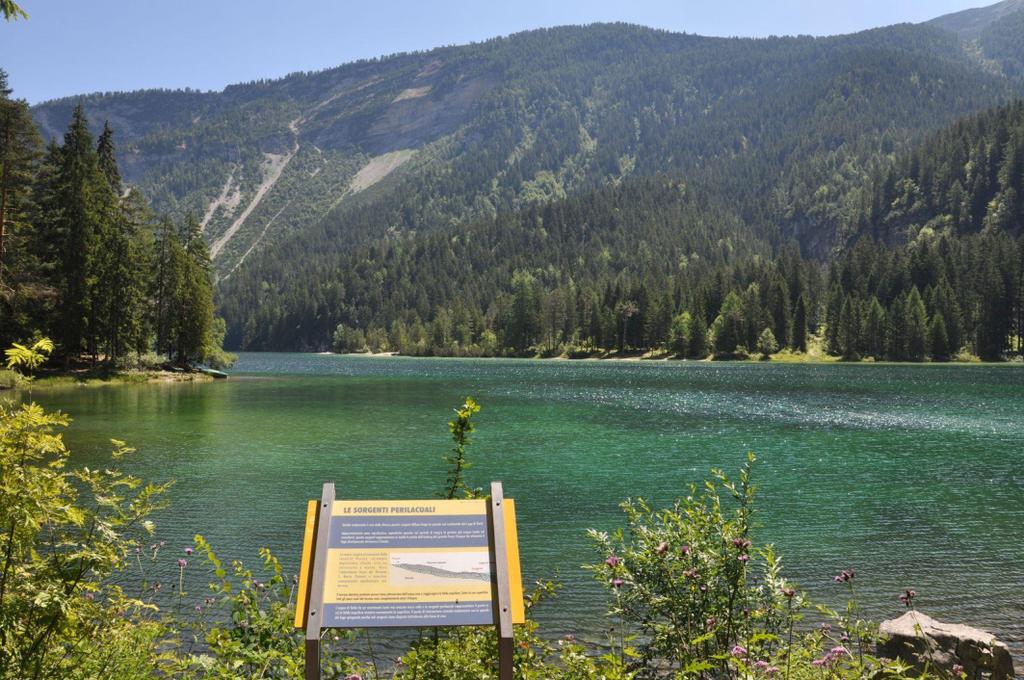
697 343
106 160
849 332
78 225
799 339
195 297
875 329
938 338
166 285
916 326
20 149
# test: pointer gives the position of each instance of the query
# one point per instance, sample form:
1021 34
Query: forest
578 191
926 269
84 259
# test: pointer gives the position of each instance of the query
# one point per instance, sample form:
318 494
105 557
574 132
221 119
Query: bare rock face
918 639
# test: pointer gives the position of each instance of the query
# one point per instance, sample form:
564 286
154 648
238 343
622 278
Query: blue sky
73 46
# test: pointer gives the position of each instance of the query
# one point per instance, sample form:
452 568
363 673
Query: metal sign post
314 620
411 563
502 605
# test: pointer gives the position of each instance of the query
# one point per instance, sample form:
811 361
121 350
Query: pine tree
916 326
799 339
728 329
697 344
944 302
110 280
106 160
779 310
875 329
195 297
166 286
849 331
938 338
991 317
766 344
833 312
659 319
78 225
523 326
897 329
20 149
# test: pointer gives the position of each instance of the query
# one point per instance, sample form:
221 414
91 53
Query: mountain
971 23
290 177
993 34
944 218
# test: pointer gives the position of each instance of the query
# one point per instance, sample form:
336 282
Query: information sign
410 563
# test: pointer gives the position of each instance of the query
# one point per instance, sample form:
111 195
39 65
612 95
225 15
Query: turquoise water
909 474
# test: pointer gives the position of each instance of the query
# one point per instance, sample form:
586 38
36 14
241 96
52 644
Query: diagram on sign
419 569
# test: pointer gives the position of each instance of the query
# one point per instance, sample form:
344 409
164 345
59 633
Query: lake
909 474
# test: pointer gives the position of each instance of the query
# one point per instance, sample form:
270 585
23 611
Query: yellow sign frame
440 549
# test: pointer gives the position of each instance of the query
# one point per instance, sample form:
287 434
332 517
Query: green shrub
9 379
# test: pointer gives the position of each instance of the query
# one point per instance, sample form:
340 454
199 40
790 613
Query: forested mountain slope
302 184
933 264
426 140
971 23
964 179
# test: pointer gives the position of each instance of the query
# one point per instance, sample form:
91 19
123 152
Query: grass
96 378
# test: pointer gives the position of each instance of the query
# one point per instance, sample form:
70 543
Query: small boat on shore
213 372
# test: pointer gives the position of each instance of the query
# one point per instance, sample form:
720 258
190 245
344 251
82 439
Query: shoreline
666 358
74 380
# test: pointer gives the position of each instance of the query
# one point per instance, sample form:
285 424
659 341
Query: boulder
918 639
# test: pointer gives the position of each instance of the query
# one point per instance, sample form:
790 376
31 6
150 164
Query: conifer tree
78 226
944 302
875 329
697 344
849 331
195 297
897 329
779 310
728 329
106 160
991 318
799 339
166 285
679 334
938 338
916 326
20 149
766 344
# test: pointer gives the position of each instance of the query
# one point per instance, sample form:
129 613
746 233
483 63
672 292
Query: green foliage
687 579
63 533
679 334
460 427
348 340
702 599
214 354
83 260
884 300
766 344
11 10
258 638
28 359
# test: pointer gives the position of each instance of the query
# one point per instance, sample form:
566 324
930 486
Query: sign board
411 563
